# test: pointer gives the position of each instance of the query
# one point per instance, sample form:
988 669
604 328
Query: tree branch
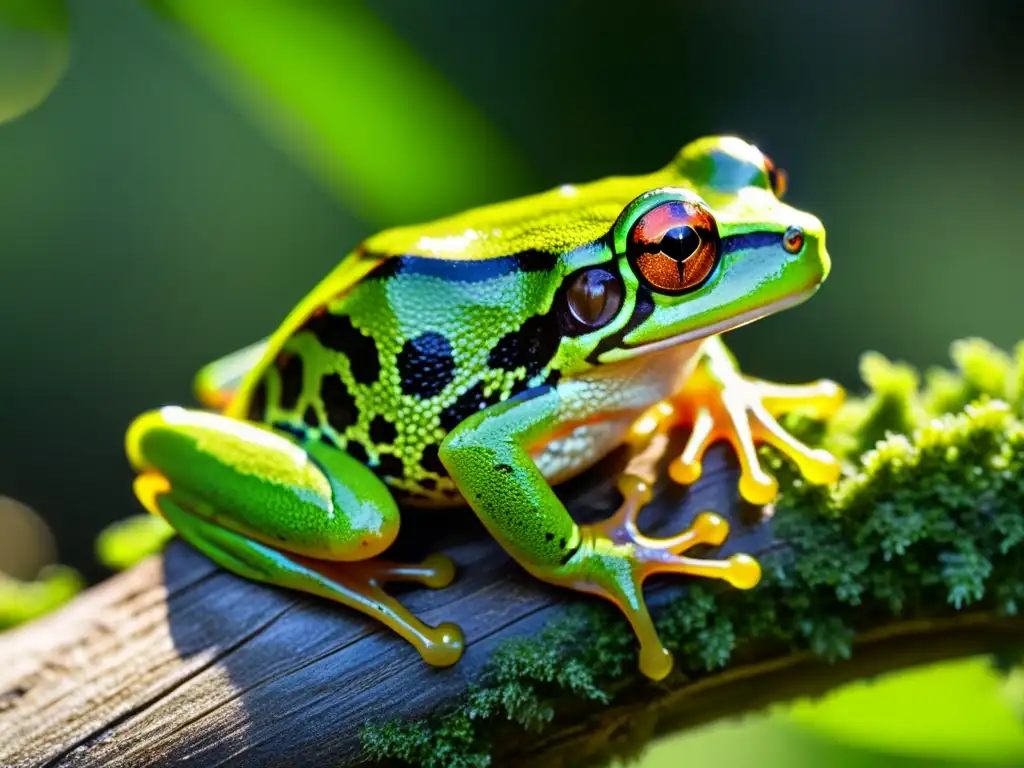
913 560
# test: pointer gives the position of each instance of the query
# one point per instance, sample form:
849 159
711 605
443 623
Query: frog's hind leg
304 517
217 382
358 585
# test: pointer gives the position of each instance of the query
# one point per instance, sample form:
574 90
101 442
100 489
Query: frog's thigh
311 500
267 509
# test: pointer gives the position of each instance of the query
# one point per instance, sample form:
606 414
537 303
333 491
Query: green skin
439 364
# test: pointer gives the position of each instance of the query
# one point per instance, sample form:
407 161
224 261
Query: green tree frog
480 360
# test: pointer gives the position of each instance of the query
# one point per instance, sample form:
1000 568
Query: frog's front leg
719 403
487 457
301 516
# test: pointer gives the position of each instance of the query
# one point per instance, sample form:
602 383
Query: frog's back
422 326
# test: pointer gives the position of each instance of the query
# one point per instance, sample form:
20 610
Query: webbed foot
719 403
614 559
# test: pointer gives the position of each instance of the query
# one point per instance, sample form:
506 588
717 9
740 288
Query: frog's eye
595 296
777 178
674 247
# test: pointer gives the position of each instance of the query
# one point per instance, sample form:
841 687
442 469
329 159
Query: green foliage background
201 164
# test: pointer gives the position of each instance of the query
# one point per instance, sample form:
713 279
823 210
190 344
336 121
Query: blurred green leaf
126 542
22 601
34 53
956 710
392 138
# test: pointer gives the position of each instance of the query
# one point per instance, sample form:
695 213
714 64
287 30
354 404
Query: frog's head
710 248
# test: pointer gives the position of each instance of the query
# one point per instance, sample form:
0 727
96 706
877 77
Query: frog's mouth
628 351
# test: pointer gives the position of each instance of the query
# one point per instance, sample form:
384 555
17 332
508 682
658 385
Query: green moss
926 515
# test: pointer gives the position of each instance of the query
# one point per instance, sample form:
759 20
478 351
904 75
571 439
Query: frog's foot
743 411
614 559
363 582
358 584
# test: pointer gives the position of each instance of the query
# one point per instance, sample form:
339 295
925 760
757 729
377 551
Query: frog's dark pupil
679 243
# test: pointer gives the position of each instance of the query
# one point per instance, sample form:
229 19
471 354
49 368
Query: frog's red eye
777 178
595 296
674 247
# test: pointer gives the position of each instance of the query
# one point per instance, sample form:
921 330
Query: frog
486 358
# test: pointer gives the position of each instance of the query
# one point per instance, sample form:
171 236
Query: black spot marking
382 431
468 403
431 461
561 543
290 368
338 403
426 365
549 537
465 270
428 483
751 240
643 309
504 468
310 417
519 387
567 555
531 346
356 450
258 402
390 466
337 333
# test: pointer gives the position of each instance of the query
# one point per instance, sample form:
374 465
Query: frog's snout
806 239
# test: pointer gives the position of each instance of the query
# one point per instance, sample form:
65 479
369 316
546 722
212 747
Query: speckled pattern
389 369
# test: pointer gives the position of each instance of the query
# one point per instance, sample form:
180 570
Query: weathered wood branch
176 659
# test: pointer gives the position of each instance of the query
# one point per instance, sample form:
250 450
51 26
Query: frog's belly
565 457
603 403
597 410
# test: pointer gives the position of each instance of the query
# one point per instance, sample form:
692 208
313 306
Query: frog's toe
615 558
816 465
436 571
743 414
819 399
439 571
687 467
446 646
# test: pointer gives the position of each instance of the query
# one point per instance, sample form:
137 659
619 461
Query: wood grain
176 660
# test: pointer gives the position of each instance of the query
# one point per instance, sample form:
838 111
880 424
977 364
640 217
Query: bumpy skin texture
481 358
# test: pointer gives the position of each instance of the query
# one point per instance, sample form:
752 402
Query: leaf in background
127 542
22 601
956 710
34 53
394 140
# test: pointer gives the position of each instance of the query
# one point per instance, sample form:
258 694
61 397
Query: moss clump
925 521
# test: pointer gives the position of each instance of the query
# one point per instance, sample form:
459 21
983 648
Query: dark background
147 224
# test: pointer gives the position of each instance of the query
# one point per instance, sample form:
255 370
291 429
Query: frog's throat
729 324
